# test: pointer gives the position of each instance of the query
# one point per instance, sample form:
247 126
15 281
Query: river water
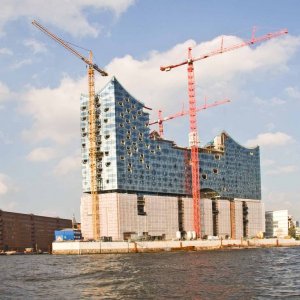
223 274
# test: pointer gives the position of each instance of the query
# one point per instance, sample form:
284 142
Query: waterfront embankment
81 247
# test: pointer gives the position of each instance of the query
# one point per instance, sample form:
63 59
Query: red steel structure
161 120
193 135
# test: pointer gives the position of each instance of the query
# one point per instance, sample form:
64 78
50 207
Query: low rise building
19 231
277 223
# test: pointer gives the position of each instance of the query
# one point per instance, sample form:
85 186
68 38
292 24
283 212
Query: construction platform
80 247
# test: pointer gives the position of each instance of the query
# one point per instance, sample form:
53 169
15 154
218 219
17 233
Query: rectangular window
141 206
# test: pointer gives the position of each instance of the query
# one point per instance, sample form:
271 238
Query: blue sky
40 86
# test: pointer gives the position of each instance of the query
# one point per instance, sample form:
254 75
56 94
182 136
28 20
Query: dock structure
82 248
144 180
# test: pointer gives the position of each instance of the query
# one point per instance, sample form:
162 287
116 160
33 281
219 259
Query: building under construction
144 181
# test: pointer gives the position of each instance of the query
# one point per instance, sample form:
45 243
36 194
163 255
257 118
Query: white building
277 223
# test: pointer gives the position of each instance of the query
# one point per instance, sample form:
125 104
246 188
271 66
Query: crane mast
193 135
91 121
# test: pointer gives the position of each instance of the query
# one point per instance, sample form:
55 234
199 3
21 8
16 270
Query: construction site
139 186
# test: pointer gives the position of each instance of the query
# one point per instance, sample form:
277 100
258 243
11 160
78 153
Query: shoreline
82 248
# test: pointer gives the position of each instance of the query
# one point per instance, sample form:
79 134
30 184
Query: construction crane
161 120
193 135
92 67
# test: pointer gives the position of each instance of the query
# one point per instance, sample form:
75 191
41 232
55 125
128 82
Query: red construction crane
161 120
193 135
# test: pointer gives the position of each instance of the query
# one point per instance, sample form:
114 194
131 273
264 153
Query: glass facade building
132 159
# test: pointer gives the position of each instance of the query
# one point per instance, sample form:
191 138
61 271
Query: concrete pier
81 247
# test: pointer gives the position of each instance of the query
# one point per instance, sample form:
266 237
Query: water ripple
242 274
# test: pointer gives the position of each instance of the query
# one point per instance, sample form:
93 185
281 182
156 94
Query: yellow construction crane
91 120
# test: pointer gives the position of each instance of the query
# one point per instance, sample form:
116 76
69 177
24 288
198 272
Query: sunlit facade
133 160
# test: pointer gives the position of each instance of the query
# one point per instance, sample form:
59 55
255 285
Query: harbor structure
20 231
144 182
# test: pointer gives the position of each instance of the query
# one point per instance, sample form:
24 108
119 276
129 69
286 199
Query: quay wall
81 247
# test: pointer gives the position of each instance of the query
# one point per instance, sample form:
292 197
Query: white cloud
275 101
267 162
293 92
4 92
68 165
68 16
216 76
282 170
35 46
21 63
270 126
55 112
5 51
4 138
270 139
3 184
41 154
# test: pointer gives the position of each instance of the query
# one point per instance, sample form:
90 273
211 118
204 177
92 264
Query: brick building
19 231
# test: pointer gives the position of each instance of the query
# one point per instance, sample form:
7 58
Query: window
106 109
107 136
217 157
121 103
141 206
105 120
106 153
204 176
215 171
107 164
122 157
121 125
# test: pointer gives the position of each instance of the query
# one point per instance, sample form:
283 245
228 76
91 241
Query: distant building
144 181
297 231
20 231
277 223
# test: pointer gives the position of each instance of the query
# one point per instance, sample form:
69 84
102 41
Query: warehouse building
21 231
144 181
